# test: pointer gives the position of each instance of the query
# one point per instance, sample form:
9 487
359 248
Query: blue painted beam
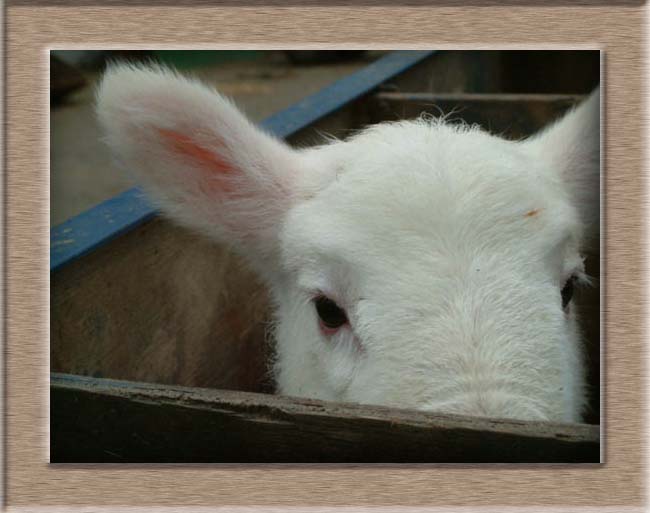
102 223
96 226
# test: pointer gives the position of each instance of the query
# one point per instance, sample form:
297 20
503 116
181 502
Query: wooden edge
511 116
110 411
278 404
480 97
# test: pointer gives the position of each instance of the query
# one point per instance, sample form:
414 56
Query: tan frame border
31 482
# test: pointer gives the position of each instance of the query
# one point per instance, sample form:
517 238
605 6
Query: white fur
447 247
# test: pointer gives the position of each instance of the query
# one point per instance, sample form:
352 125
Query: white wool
446 246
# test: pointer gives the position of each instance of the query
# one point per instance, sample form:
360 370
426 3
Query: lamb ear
571 146
198 158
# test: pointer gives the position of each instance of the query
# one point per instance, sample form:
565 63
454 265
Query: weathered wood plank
96 420
512 115
163 305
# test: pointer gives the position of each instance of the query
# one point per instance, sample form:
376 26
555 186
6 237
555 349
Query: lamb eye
331 315
567 291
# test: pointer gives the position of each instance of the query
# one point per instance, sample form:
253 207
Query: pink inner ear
185 146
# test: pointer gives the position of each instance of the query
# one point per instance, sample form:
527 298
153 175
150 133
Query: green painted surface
185 59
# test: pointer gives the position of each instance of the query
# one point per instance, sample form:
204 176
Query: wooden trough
158 348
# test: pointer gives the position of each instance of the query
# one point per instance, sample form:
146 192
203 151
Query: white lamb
417 264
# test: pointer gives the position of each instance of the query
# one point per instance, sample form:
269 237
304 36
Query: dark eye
567 291
331 315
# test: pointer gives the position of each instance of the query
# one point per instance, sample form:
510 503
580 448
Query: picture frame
30 482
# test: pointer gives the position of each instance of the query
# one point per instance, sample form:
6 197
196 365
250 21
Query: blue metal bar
333 97
97 226
102 223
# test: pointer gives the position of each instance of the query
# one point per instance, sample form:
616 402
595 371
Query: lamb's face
429 274
415 265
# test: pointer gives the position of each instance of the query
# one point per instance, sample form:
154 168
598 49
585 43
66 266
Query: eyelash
567 291
331 316
576 278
